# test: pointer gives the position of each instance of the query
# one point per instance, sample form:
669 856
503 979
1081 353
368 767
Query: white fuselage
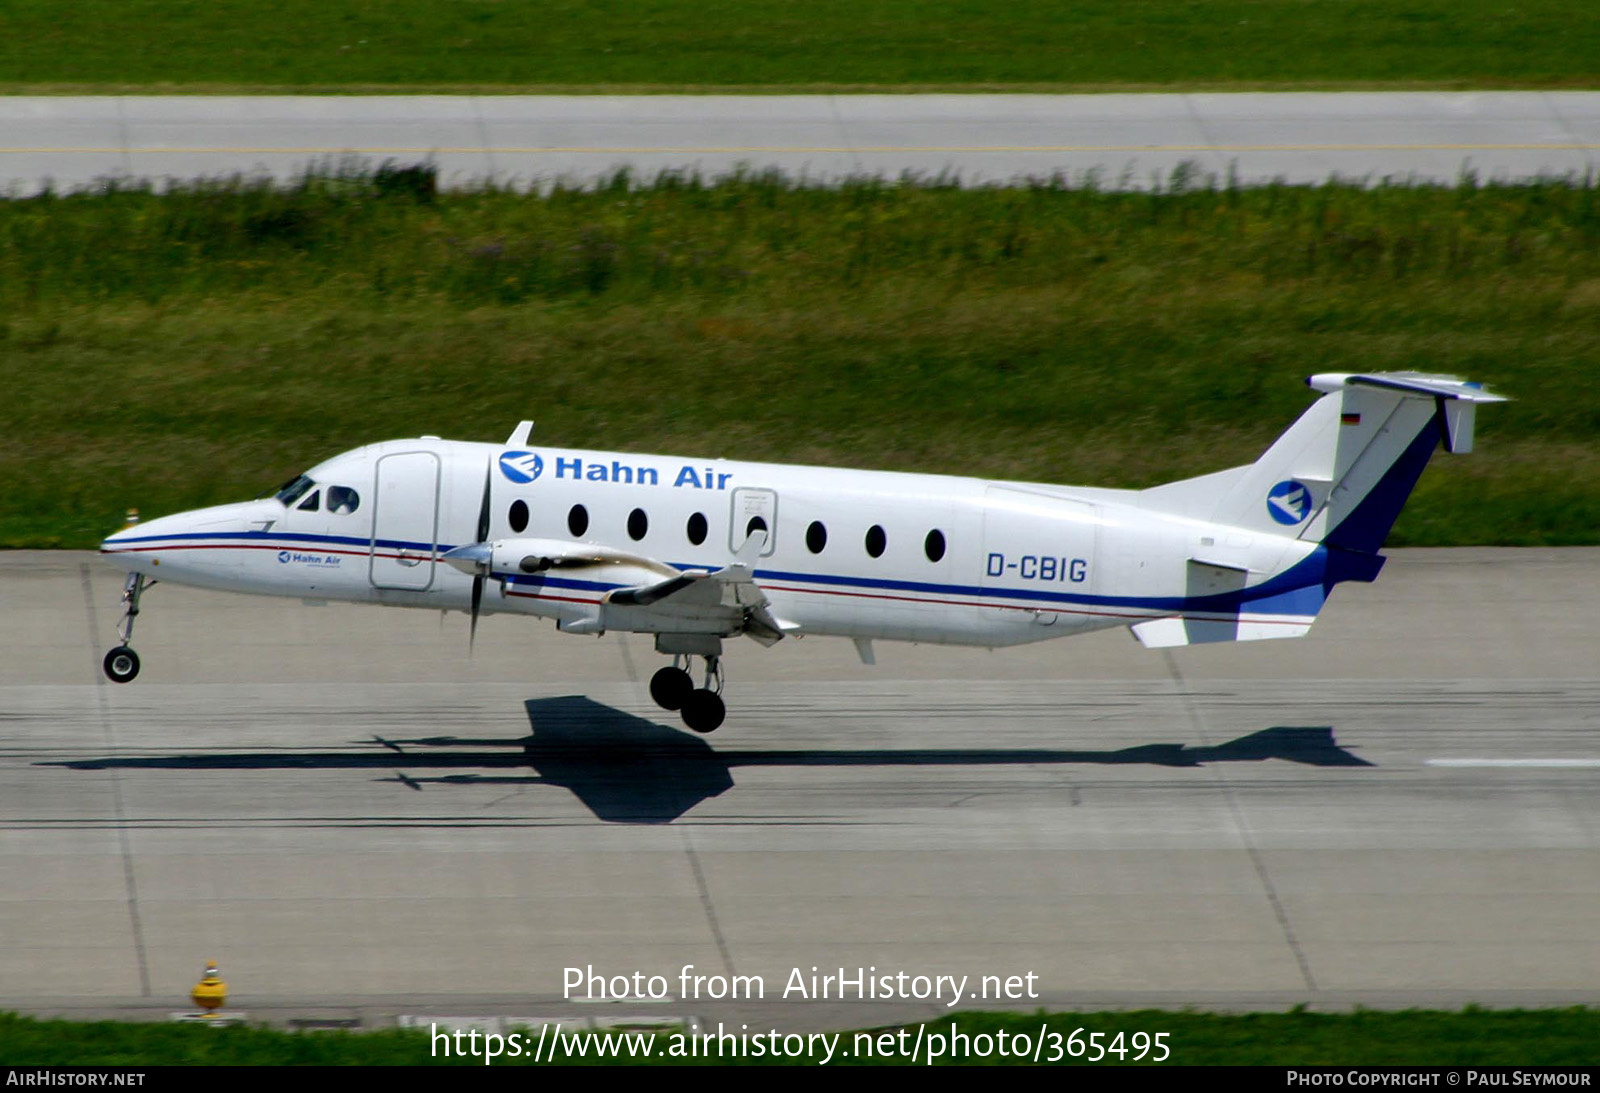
861 554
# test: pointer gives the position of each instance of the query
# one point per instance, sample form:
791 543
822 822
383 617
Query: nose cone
134 548
123 537
175 541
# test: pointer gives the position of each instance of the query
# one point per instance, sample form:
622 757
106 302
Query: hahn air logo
295 557
1289 502
521 467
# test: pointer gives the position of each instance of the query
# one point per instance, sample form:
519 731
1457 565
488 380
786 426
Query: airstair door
405 522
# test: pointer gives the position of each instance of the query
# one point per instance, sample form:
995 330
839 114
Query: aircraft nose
119 537
118 549
136 529
135 546
122 548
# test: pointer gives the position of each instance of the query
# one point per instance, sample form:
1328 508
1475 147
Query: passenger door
405 521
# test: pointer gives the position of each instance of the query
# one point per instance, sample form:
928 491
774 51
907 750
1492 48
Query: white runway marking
1532 763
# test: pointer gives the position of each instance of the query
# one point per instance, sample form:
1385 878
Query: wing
726 601
653 598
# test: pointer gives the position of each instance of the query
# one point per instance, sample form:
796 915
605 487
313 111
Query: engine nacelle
564 557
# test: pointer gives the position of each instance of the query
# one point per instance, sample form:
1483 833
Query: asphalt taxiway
1127 140
358 821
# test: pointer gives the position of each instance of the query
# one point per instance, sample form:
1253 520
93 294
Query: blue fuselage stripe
1306 578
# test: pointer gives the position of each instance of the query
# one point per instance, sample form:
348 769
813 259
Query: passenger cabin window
816 537
696 529
757 523
638 524
292 490
876 541
578 521
518 516
342 500
310 503
933 545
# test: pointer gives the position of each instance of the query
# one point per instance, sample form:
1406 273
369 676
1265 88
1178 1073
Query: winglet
519 435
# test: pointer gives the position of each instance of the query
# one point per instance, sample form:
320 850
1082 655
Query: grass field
1412 1038
168 45
169 351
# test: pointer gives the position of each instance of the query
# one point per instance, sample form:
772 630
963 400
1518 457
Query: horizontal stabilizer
1411 383
1210 581
1170 632
1456 400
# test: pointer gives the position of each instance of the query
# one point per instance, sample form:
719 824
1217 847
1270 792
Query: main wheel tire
121 664
703 710
671 688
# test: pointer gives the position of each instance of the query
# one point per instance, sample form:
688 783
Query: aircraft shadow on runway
626 769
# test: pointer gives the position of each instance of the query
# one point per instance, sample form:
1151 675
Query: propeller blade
477 598
483 510
483 535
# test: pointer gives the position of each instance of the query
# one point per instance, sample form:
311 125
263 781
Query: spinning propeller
482 570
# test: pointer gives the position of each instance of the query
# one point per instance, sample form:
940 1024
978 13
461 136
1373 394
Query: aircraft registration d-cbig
697 551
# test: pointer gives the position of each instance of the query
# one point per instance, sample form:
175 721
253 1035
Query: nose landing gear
122 663
702 708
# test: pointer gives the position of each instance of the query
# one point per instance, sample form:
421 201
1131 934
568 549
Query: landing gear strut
673 689
122 663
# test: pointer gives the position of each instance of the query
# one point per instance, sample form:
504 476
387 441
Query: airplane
698 551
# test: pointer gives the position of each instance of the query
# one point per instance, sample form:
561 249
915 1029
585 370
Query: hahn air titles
688 477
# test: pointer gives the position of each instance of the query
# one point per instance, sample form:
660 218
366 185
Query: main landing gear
701 707
122 663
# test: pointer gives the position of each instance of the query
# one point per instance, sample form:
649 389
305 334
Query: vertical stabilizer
1336 481
1342 472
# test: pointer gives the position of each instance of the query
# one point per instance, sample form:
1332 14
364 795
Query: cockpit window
292 490
310 503
342 500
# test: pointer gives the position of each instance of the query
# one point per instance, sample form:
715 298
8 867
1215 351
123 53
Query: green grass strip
1472 1037
166 351
354 45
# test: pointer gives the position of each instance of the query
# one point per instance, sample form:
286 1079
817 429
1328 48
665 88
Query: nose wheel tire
122 664
703 710
671 688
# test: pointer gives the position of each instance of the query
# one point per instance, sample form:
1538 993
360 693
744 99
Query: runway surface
1122 140
360 822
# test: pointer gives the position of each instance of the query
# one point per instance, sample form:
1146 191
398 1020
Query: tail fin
1343 471
1336 480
